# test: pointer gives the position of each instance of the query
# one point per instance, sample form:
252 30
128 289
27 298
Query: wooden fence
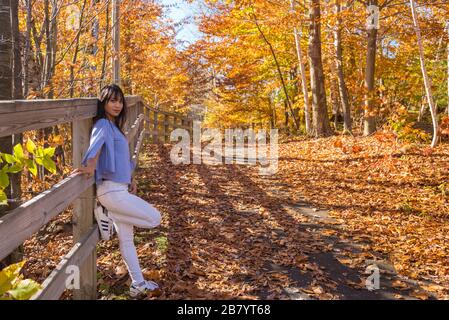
161 123
21 223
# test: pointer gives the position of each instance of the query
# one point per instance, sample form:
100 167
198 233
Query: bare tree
427 84
321 125
340 72
116 41
5 50
447 29
302 73
27 49
10 88
51 40
370 118
76 50
278 67
6 74
105 47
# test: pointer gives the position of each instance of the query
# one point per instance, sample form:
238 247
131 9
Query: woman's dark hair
107 93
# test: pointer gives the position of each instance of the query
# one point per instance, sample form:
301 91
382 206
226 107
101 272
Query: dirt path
229 233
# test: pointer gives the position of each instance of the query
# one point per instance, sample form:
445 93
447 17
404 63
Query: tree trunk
54 46
294 80
286 116
278 67
105 47
27 49
321 125
16 178
302 72
95 29
116 42
422 109
5 50
50 29
47 73
75 54
39 57
370 112
272 113
46 85
340 73
335 99
447 29
17 57
9 88
427 84
6 70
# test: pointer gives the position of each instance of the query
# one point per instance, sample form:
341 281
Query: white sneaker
105 223
142 289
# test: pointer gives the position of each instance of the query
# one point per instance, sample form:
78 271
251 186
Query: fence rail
161 123
21 223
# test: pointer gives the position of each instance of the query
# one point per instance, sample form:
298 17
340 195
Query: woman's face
113 107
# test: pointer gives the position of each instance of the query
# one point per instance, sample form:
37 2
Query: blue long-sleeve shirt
114 162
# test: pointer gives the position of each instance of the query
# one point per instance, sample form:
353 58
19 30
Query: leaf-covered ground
336 206
229 233
393 197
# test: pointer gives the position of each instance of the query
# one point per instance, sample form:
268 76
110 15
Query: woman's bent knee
155 217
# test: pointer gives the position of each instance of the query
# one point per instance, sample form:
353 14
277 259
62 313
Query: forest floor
336 207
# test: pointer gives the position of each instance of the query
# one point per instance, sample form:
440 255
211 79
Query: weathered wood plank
17 122
21 115
83 209
138 145
156 132
22 222
140 126
132 106
39 105
131 133
163 112
131 101
184 126
55 284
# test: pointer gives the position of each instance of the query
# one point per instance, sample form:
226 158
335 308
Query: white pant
127 211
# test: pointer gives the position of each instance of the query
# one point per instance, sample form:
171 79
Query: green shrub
17 161
402 125
13 286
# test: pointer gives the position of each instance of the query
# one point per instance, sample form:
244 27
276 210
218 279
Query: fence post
132 119
166 126
136 110
175 122
83 214
155 128
146 126
183 123
190 129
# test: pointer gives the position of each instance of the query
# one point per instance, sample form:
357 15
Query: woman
108 158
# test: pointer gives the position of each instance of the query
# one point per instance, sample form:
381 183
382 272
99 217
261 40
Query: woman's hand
87 171
133 187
